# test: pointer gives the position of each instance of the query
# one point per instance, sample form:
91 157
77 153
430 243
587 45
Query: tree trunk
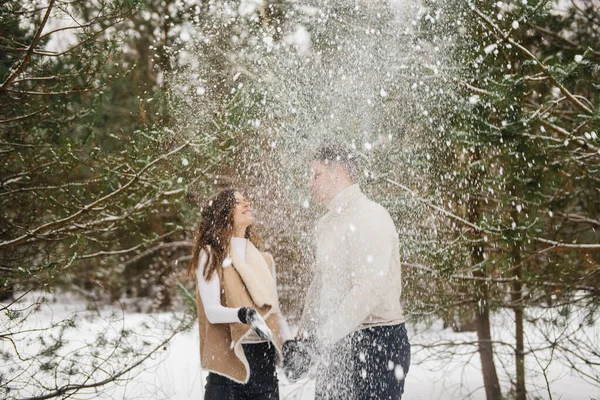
517 304
486 350
520 354
482 315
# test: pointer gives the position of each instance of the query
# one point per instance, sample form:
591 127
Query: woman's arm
210 293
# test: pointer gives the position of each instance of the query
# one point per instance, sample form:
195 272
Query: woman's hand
255 321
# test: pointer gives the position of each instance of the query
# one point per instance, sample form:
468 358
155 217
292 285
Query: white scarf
256 275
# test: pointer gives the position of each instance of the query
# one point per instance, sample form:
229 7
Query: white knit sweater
357 274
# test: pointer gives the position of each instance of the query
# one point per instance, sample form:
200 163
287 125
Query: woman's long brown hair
214 233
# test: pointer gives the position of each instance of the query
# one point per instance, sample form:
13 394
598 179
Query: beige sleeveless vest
221 350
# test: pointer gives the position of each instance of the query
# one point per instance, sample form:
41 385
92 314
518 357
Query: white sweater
210 293
357 274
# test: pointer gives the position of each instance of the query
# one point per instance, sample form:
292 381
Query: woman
240 324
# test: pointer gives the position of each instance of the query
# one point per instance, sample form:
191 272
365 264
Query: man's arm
311 299
307 321
370 249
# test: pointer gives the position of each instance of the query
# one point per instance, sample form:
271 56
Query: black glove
297 355
255 321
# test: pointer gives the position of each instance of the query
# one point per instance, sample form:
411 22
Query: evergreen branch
48 78
33 146
110 252
22 117
76 46
557 36
50 187
443 211
189 298
476 89
110 219
154 249
578 218
85 209
30 50
70 388
496 279
12 178
585 246
64 92
95 21
542 66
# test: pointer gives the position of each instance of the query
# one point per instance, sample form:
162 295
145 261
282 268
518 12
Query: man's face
322 182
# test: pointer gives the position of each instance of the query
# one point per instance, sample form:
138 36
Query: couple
352 325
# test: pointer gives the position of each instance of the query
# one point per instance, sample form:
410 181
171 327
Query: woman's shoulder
204 255
204 259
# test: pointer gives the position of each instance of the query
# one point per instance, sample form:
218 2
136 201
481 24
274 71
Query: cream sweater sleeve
210 293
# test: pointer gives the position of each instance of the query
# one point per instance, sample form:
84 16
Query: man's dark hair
341 155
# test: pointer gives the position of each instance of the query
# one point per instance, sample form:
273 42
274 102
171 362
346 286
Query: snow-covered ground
436 372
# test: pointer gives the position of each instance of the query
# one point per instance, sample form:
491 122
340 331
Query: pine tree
87 187
522 181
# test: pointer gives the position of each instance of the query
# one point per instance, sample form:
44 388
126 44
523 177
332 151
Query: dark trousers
367 364
262 385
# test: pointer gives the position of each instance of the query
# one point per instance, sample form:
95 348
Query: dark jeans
262 385
367 364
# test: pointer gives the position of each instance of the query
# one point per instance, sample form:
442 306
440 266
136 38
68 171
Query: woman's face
242 212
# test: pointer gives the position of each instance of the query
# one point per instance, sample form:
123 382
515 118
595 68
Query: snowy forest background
477 124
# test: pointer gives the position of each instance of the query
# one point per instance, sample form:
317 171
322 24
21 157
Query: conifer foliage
519 193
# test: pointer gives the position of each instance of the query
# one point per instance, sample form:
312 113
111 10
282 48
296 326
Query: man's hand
297 357
255 321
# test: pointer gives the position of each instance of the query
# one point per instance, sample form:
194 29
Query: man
352 308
